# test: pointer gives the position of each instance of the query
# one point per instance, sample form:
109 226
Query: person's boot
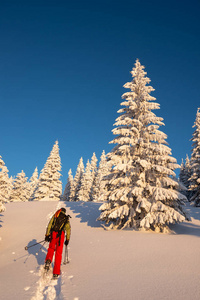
47 264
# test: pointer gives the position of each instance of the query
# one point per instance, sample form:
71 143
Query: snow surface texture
108 265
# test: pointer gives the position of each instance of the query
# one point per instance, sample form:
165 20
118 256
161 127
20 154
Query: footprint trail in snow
47 288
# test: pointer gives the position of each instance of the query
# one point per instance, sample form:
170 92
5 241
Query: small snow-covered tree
195 162
33 182
141 190
49 186
182 172
86 184
69 187
5 182
77 180
187 170
185 174
20 191
94 161
99 185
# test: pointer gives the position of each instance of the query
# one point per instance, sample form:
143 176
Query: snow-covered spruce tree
86 184
77 180
185 172
99 187
142 192
20 190
5 182
195 162
94 161
184 176
182 172
68 187
188 173
49 185
33 182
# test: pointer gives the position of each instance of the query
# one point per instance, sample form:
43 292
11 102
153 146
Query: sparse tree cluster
88 183
47 187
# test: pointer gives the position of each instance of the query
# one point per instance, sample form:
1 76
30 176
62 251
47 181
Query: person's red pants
56 245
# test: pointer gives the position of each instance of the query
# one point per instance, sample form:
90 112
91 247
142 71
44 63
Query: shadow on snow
88 212
188 228
39 251
1 220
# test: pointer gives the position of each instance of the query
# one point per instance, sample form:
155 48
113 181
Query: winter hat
63 209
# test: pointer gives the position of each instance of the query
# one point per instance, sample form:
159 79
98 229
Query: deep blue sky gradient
63 65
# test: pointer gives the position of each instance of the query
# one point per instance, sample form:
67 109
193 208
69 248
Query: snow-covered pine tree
49 185
185 174
99 187
33 182
20 190
187 170
68 187
188 173
195 162
94 161
142 192
86 184
77 180
182 172
5 182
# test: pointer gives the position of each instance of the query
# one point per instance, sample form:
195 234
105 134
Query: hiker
55 234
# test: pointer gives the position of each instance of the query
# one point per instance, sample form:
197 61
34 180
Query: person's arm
68 232
48 230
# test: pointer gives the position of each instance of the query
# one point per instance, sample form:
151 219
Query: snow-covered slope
104 265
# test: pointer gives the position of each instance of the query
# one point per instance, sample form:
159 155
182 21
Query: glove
66 242
47 238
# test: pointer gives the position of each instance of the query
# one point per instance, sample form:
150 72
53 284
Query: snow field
109 265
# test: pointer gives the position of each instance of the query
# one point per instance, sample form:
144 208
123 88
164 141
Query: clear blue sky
62 69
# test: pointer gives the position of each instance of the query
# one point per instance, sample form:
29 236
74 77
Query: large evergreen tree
141 190
49 185
195 162
20 191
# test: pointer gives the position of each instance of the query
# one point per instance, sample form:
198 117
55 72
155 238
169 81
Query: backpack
60 220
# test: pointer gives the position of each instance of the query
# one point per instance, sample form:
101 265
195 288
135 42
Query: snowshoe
47 264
